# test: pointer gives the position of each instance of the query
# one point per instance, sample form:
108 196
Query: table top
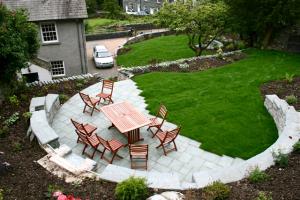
124 116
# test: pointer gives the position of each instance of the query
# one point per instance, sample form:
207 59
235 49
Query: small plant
264 196
291 99
257 176
63 97
27 115
220 53
216 191
132 188
4 131
281 159
12 119
23 97
296 147
51 190
289 77
17 146
13 100
240 44
79 85
1 194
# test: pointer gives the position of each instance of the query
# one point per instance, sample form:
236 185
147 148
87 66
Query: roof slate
40 10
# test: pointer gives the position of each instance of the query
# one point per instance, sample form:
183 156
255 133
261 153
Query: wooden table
127 119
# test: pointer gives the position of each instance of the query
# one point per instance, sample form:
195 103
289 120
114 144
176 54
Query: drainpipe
81 46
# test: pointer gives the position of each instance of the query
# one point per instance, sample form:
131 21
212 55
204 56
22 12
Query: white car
102 57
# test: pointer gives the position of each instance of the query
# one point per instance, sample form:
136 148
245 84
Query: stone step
188 185
226 161
238 161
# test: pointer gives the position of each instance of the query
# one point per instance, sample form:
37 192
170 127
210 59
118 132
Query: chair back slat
162 112
78 126
85 98
107 86
93 140
104 143
82 136
171 135
138 148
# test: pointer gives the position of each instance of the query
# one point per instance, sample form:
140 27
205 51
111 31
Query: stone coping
287 120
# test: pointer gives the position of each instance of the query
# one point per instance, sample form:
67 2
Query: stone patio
187 160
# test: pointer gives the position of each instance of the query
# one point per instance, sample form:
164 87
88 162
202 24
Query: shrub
12 119
1 194
216 191
52 189
23 97
291 99
4 131
263 196
289 77
257 176
13 100
220 53
63 98
281 159
132 188
230 47
240 45
27 115
296 147
79 85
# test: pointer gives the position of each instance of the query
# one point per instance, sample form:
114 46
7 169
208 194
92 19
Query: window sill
51 43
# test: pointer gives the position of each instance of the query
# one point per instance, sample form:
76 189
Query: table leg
112 125
134 136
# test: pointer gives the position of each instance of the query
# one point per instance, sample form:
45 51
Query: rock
167 196
156 197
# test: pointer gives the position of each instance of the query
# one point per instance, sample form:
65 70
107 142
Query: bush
281 159
17 146
216 191
11 120
289 77
79 85
291 99
63 98
240 45
230 47
27 115
1 194
13 100
132 189
257 176
4 131
296 147
264 196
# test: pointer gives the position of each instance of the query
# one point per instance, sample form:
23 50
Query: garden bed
284 89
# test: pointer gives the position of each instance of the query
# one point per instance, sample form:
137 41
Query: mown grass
163 48
222 108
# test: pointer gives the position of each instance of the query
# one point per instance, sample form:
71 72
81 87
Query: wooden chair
138 153
106 91
94 142
87 129
167 137
158 120
113 146
85 141
89 102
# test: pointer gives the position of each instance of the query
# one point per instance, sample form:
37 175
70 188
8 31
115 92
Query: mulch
26 179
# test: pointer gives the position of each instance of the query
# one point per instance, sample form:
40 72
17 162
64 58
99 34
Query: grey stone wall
70 48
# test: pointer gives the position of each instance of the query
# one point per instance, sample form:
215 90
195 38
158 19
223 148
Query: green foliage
113 9
51 189
260 20
281 159
264 196
12 119
202 22
289 77
13 100
18 42
132 189
63 98
257 176
211 104
27 115
91 6
216 191
296 147
4 131
17 146
291 99
240 44
79 85
1 194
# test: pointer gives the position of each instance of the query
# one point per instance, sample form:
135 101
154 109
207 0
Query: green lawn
222 108
163 48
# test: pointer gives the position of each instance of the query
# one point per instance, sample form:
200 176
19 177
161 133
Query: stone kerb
288 122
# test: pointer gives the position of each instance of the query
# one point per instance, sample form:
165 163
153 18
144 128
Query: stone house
137 6
61 33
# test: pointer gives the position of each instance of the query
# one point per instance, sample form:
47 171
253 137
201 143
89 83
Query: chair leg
92 110
95 149
175 146
103 153
99 100
163 147
85 146
112 159
84 109
159 146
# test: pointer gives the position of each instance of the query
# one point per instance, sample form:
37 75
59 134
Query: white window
158 1
49 32
57 68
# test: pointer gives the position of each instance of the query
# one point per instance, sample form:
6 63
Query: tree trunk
267 37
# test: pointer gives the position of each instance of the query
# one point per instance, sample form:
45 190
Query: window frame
58 75
56 32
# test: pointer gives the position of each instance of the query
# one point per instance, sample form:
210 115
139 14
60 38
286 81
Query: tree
18 42
113 9
91 6
201 22
258 20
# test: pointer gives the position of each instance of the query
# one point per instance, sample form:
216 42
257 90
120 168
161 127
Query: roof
40 10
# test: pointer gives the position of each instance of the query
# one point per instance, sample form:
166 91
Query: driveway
112 46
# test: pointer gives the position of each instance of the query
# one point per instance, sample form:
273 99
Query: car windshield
102 54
